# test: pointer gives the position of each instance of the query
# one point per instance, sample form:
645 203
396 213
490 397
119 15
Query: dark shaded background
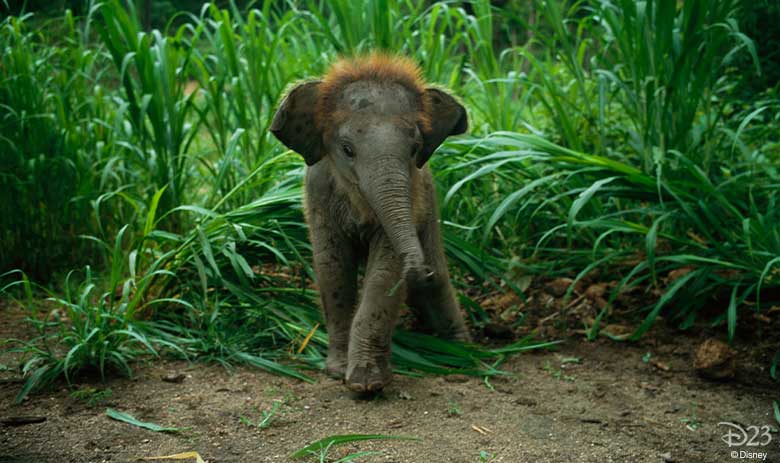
759 18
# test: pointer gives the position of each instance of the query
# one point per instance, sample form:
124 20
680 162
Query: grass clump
91 396
88 331
54 145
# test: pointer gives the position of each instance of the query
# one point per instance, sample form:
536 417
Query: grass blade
129 419
341 439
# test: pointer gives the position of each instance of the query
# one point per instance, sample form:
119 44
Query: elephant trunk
388 190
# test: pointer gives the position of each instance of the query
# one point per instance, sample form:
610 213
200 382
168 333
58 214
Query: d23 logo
752 436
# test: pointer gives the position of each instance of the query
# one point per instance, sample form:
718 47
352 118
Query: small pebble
456 378
525 402
175 378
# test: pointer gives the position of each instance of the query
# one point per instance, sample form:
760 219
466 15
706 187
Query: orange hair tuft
378 67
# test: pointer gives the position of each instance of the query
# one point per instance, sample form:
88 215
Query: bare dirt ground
586 402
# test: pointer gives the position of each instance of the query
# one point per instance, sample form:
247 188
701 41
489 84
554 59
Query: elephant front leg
337 277
369 368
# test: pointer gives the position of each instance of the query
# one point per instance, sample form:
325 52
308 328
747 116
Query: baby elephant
366 131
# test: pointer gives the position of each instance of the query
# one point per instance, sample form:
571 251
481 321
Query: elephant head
376 123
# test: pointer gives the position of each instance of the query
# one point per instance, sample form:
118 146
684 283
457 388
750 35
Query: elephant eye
348 150
416 148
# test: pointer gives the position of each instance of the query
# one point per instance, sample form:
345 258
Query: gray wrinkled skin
370 199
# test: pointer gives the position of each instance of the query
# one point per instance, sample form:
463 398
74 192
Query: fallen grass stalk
317 447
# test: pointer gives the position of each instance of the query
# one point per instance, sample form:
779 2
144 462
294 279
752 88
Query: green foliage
54 146
92 396
698 204
152 69
322 446
760 18
663 64
131 420
453 409
267 416
91 331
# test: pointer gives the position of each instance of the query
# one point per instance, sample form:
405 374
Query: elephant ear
294 124
447 117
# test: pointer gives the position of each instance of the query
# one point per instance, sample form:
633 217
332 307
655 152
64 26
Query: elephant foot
368 376
461 335
336 366
456 333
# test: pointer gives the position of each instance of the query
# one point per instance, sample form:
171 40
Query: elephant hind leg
435 304
437 309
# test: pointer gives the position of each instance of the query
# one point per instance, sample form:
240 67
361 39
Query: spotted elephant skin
366 130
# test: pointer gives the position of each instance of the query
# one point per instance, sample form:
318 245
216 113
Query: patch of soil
586 402
611 406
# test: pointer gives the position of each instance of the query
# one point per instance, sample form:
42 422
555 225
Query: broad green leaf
129 419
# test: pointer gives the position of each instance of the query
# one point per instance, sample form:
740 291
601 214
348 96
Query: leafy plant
92 396
453 409
322 446
152 69
691 422
558 373
90 331
54 148
266 418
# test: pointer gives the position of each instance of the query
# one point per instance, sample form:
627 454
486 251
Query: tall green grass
722 234
663 187
91 329
54 146
153 72
663 65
